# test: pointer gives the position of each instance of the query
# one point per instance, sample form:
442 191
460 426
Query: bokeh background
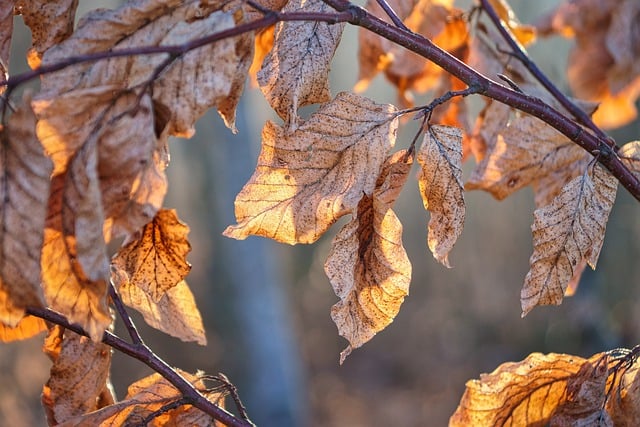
266 305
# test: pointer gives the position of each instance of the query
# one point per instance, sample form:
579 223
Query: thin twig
392 14
124 315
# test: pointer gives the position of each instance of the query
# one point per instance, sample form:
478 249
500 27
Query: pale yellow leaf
441 188
526 151
367 265
27 327
144 398
155 259
79 374
175 313
565 232
521 393
24 191
305 180
50 22
295 73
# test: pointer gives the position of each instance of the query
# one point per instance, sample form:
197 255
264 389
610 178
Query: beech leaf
306 179
79 374
155 259
175 313
528 392
624 404
441 188
295 73
24 191
565 232
27 327
367 265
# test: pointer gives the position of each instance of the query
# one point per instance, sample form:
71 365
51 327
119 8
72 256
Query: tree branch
144 354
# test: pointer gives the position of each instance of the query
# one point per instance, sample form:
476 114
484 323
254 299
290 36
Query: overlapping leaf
368 266
441 188
305 180
79 375
155 259
296 71
145 398
566 232
531 391
24 191
27 327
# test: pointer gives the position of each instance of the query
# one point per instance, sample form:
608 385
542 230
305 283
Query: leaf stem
144 354
124 315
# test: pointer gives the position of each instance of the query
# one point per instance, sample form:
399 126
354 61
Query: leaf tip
345 353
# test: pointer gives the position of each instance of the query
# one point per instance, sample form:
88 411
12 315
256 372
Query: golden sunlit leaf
155 260
24 189
27 327
368 266
524 34
295 73
525 393
175 313
148 396
50 22
78 376
441 188
305 180
565 232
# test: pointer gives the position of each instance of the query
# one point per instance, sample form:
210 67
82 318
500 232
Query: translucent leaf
565 232
528 392
441 188
24 191
26 328
296 71
78 376
367 265
175 313
155 260
50 22
305 180
144 405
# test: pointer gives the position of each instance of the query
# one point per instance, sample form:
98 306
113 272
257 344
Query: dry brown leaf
441 188
6 31
367 265
454 112
79 374
624 403
565 232
155 259
175 313
24 189
27 327
547 187
307 179
50 22
148 395
493 118
295 73
525 151
521 393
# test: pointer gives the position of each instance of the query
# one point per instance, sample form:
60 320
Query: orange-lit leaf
79 374
565 232
27 327
368 266
527 392
307 179
441 188
524 34
24 190
295 73
155 260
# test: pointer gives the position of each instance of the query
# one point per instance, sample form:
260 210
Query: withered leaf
175 313
305 180
295 73
367 265
147 396
565 232
6 31
526 151
522 393
24 190
624 403
50 22
155 260
78 376
27 327
441 188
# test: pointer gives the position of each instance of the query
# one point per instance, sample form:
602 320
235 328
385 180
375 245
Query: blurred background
266 305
